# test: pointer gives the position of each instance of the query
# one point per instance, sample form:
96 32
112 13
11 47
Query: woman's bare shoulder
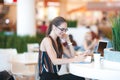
46 39
44 42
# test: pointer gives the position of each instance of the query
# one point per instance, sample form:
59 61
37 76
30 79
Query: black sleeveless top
45 63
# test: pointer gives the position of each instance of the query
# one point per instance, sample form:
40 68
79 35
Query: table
89 70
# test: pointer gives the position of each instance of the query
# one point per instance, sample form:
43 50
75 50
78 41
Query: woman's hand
65 37
89 53
80 58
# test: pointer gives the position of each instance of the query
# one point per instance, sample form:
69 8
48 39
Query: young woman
52 47
90 42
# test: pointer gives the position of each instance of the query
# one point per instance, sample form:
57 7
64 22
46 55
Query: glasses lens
63 29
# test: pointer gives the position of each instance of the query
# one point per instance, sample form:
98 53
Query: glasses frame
63 29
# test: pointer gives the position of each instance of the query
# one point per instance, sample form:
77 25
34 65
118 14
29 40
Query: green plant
2 40
115 21
18 42
72 23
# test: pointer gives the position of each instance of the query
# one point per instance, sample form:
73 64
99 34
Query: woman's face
88 36
61 29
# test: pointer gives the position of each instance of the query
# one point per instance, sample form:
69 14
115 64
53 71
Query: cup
96 57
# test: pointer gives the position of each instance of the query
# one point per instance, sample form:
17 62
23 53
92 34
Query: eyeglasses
63 29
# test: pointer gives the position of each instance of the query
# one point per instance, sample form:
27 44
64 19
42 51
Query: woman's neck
53 35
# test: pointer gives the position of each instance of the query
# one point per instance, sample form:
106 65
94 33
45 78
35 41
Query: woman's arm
85 45
52 54
68 49
89 47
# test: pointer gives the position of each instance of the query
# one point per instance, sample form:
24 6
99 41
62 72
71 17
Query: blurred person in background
91 41
53 46
76 47
43 27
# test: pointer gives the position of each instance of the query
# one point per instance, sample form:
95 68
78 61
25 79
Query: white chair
31 56
33 47
5 56
8 50
4 62
20 70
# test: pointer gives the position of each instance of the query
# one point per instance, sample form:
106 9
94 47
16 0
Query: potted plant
113 55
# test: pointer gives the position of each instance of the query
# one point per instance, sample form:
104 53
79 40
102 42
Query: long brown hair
57 22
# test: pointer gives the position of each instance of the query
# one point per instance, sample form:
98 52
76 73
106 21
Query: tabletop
91 70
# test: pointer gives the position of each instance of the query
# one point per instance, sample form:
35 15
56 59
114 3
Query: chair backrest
4 62
8 50
34 57
32 47
18 58
31 56
5 56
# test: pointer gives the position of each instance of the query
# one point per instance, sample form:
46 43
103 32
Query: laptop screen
101 46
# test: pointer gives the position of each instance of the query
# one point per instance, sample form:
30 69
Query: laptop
101 46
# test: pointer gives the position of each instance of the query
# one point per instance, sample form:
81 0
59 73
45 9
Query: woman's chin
60 36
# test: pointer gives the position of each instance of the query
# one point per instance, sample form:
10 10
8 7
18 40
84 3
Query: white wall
78 34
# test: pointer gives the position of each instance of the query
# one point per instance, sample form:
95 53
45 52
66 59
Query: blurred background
21 20
23 24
